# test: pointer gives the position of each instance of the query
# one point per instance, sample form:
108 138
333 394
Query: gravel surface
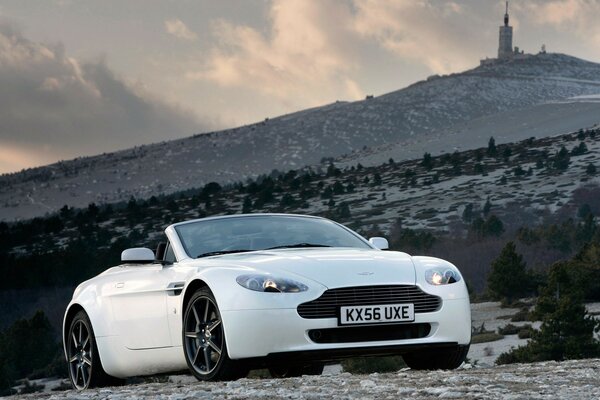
577 379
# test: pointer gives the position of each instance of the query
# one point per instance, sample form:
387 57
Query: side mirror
379 242
138 255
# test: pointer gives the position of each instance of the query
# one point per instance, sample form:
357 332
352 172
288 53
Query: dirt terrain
576 379
477 379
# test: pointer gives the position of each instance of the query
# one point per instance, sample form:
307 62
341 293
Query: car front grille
331 300
372 333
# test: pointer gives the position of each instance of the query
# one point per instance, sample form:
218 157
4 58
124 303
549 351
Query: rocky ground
478 378
548 380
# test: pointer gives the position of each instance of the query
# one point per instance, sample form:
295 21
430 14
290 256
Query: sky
83 77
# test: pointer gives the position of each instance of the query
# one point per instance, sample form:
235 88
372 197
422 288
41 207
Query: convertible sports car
291 293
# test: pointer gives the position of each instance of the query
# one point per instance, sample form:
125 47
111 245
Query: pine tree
506 153
487 207
344 211
493 226
590 169
287 200
561 159
508 278
427 162
491 150
377 179
467 214
567 331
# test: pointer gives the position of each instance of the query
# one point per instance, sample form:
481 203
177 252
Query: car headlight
267 283
441 276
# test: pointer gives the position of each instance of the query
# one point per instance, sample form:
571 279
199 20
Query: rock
578 380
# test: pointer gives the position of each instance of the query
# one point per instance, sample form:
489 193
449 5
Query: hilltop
457 111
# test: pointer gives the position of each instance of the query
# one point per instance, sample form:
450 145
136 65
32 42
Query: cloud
579 16
556 12
314 52
177 28
53 105
303 58
427 32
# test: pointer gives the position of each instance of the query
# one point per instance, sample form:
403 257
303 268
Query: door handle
120 285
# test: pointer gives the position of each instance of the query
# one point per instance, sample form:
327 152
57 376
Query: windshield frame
174 228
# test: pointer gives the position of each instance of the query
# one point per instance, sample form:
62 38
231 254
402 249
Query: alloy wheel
203 335
80 355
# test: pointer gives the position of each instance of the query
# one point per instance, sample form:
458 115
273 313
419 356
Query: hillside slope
423 110
524 184
540 120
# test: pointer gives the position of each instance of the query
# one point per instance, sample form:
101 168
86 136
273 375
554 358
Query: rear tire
83 360
292 371
204 344
450 358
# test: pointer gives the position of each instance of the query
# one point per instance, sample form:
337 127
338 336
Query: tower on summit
505 49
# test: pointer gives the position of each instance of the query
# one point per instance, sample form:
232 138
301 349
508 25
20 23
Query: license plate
377 314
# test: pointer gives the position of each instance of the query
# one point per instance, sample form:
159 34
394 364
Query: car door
139 305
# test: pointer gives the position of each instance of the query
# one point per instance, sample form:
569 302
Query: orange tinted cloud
579 16
14 158
312 51
179 29
303 58
428 32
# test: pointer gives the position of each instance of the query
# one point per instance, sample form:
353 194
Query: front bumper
269 332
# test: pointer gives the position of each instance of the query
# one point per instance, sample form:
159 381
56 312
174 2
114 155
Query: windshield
228 235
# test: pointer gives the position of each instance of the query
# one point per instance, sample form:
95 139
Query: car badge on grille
366 273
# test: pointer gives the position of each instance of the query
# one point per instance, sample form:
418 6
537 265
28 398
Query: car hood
331 267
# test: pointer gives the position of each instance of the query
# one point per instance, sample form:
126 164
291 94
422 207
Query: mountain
542 194
440 114
440 205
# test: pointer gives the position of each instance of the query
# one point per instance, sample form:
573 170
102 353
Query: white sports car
227 294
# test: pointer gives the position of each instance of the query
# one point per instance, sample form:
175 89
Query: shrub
6 379
369 365
31 387
486 337
521 315
492 226
525 332
406 239
24 347
509 329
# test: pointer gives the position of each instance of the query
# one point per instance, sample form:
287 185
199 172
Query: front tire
204 344
450 358
85 367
